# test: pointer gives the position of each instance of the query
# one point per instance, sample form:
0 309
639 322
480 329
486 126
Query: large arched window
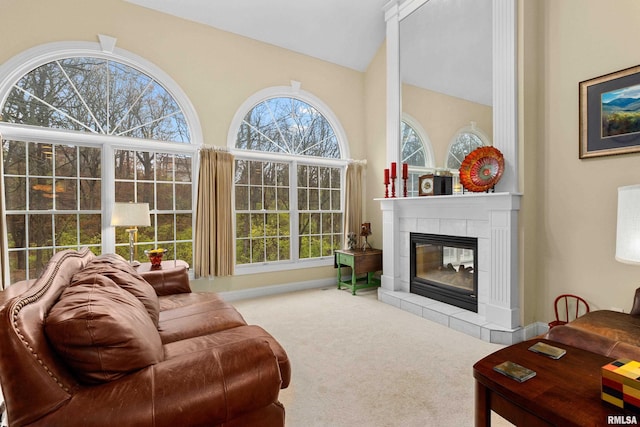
288 181
416 152
464 142
84 127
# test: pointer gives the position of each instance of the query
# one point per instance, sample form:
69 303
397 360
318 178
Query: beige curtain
4 256
214 226
353 199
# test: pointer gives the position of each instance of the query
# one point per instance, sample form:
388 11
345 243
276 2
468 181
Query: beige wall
530 76
217 70
575 200
376 131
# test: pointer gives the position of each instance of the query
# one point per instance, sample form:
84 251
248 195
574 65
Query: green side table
361 262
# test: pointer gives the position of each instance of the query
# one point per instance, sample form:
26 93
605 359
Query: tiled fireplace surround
492 218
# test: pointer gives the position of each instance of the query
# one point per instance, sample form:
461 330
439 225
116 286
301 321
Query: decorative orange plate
482 169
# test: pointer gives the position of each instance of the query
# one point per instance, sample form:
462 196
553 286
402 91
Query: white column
393 82
390 244
502 308
390 223
505 90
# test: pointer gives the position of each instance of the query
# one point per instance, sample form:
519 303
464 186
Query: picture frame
610 114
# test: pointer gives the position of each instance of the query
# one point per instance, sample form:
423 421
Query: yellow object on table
621 384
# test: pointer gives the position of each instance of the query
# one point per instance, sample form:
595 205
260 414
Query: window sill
244 269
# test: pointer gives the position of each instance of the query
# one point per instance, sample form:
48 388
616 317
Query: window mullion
294 221
108 198
27 216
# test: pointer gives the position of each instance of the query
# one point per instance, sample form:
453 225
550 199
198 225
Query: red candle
386 176
393 170
405 171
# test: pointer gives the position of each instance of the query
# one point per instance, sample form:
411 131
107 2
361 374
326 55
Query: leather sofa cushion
201 317
124 275
169 302
102 331
233 335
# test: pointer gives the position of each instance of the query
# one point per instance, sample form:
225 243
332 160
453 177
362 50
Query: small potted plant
155 257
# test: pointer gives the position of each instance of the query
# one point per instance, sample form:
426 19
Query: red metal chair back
567 308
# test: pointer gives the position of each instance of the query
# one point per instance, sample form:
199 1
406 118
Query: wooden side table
368 261
165 265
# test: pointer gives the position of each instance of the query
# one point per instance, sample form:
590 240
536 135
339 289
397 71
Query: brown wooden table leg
483 406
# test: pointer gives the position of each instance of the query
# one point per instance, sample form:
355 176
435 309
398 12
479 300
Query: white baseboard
277 289
538 328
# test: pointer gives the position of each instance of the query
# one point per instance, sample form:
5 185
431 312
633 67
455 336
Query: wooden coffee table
564 392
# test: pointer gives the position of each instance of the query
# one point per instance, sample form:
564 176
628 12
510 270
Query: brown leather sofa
605 332
93 343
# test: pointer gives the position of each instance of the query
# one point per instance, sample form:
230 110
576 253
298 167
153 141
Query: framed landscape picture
610 114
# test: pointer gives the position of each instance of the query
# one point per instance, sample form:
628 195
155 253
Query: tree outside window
288 206
56 193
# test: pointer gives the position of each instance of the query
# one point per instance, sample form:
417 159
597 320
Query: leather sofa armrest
583 339
169 281
635 310
207 387
624 350
15 289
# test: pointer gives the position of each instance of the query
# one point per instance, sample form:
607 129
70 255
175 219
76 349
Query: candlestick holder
405 187
393 186
386 190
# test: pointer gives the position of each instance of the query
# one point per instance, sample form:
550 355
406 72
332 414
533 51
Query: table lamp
628 231
131 215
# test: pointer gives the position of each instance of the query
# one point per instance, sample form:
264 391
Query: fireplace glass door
444 268
446 265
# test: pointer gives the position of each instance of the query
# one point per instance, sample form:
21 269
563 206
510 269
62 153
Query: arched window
95 95
288 181
416 152
81 131
464 142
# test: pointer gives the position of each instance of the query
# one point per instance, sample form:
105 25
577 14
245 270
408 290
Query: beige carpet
359 362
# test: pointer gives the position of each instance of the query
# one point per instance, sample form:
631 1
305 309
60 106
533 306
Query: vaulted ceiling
344 32
454 57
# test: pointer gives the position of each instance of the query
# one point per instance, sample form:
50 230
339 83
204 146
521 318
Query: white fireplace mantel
492 218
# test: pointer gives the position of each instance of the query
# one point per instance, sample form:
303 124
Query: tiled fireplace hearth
492 218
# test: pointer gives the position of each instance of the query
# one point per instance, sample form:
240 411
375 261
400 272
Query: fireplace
444 268
491 219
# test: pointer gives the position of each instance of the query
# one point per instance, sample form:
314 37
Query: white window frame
430 165
18 66
472 128
293 91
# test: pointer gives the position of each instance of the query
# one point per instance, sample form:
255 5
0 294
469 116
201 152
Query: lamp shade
628 231
131 215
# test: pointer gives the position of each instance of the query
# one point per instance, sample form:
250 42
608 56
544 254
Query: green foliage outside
620 123
47 185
